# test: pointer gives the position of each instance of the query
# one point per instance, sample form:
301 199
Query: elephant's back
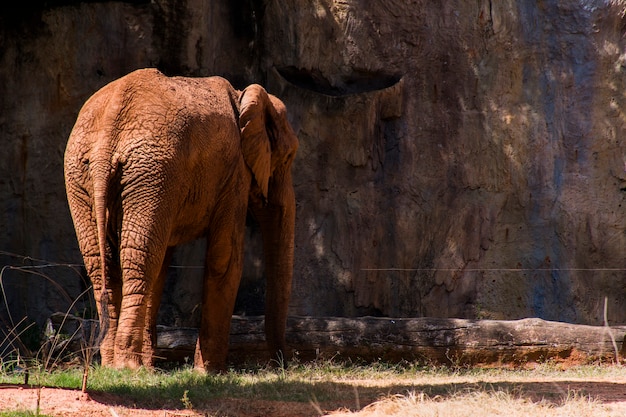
148 109
151 125
185 136
148 95
182 96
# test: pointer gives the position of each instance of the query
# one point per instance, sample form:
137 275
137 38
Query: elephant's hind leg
107 304
141 261
154 301
109 310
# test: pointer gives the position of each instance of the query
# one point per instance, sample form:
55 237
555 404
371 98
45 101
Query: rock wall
457 159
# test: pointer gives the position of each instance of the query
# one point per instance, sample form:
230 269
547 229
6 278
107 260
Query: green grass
20 413
331 383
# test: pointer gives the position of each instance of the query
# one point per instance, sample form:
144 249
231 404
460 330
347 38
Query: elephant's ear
255 141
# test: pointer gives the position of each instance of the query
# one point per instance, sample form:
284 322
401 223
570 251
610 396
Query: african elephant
155 161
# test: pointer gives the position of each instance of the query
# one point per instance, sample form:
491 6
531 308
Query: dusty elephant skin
153 162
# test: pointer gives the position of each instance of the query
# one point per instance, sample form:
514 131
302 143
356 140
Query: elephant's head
269 146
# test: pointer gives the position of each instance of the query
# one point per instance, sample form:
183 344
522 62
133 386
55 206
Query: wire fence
494 269
13 330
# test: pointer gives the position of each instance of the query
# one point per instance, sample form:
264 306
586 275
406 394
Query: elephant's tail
101 172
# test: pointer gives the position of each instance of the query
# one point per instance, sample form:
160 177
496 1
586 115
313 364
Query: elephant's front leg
224 265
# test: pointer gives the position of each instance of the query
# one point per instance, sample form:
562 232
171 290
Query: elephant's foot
128 360
107 354
206 368
147 360
106 358
107 348
208 364
200 369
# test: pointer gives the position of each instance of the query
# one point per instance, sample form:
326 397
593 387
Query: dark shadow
355 83
302 398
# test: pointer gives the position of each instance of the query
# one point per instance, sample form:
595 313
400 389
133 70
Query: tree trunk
430 340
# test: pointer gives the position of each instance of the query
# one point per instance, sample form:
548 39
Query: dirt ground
69 403
72 403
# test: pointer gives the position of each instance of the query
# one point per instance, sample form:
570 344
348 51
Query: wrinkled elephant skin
156 161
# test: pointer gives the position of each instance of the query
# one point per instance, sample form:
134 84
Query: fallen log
429 340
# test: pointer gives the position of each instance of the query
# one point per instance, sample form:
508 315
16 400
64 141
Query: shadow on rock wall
457 159
450 156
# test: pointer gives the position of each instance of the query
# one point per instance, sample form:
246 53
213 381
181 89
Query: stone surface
457 159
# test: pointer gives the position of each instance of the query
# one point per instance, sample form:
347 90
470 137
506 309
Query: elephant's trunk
277 222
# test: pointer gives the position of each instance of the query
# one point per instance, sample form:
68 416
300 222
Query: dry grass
545 390
472 404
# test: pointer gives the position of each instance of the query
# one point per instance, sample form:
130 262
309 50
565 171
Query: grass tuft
21 413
